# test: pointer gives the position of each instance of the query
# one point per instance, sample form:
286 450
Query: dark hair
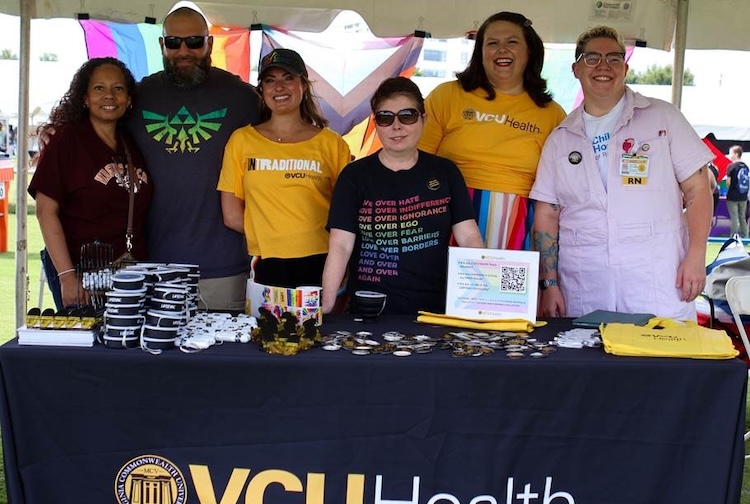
475 77
397 86
309 109
71 109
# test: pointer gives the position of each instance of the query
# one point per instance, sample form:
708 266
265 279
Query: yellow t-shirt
286 188
496 144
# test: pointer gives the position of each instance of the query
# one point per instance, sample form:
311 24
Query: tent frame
27 11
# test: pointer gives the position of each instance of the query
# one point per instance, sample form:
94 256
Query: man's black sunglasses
405 116
192 42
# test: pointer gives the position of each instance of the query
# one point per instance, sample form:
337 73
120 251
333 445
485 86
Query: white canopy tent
662 24
709 22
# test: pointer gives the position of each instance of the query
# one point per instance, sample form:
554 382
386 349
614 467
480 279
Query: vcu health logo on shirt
150 479
470 114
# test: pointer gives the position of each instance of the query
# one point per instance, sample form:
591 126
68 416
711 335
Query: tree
48 57
656 74
7 54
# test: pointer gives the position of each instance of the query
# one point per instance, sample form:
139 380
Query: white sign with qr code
490 284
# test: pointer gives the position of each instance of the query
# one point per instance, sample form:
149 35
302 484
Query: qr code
513 279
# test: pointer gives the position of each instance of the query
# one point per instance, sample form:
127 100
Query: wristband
546 284
71 270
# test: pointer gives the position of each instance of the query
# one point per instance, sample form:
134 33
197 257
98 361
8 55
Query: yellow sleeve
343 158
436 106
232 168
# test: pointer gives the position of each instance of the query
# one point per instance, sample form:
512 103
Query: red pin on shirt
628 144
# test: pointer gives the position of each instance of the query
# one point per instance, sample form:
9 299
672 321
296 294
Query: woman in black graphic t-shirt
393 213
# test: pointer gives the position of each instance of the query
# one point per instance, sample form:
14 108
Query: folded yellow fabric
515 325
667 338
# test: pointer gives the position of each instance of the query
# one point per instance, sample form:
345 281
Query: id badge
634 169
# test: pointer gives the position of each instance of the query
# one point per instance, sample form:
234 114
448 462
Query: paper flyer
492 284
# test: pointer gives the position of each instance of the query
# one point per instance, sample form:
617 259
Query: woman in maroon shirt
81 183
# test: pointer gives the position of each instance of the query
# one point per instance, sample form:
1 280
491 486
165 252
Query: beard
187 77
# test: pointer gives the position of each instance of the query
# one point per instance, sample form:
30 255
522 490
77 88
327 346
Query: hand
72 291
691 277
329 302
44 135
552 302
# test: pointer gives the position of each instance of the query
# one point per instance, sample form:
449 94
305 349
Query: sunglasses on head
405 116
192 42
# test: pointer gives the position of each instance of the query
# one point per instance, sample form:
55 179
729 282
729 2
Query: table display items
514 345
303 302
67 327
516 324
208 329
664 337
124 310
368 305
284 335
79 325
578 338
95 271
148 304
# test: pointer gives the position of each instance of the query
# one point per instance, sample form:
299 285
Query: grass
35 244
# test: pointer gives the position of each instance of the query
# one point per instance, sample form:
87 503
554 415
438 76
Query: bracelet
71 270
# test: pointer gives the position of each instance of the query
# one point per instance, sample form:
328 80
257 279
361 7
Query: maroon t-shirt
89 181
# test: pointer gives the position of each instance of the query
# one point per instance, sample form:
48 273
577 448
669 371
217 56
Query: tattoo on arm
548 247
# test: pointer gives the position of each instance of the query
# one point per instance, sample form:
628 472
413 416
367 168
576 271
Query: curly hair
308 109
71 109
475 77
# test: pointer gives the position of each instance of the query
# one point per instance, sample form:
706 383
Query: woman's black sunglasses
192 42
405 116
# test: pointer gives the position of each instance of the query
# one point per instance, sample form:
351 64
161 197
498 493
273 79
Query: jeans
738 215
53 281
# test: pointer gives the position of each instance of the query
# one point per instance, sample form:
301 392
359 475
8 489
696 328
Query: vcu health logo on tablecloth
150 479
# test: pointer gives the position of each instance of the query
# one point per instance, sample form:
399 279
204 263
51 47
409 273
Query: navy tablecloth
234 425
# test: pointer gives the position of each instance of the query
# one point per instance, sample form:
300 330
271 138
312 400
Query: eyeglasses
192 42
405 116
592 59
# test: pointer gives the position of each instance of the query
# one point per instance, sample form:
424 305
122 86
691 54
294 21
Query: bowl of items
368 305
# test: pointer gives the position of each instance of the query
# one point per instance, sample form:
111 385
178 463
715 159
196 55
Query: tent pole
22 162
680 41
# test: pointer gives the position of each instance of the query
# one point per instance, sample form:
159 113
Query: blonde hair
598 32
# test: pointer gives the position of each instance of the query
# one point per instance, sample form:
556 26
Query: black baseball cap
283 58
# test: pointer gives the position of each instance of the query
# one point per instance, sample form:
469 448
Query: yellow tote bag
663 337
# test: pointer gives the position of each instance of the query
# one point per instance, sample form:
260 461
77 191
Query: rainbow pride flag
345 74
137 45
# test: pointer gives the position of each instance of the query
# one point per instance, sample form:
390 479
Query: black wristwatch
545 284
